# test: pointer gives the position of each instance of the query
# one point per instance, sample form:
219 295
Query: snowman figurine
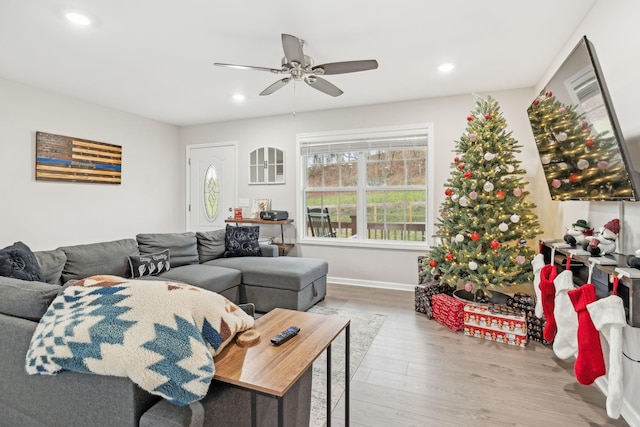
577 234
605 242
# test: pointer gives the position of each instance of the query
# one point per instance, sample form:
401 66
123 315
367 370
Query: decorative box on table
535 325
449 311
425 293
496 322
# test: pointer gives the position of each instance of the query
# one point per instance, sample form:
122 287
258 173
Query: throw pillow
19 262
210 244
149 264
242 241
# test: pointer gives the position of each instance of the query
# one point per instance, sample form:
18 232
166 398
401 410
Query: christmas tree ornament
459 238
503 226
469 118
489 156
537 263
556 183
548 94
464 202
473 195
433 263
562 166
515 218
545 159
456 159
473 265
608 317
517 191
582 164
494 244
472 137
448 256
565 344
536 101
501 194
448 192
460 166
590 143
475 236
487 116
488 186
468 174
455 197
510 168
603 164
520 259
562 136
573 178
589 363
547 288
562 109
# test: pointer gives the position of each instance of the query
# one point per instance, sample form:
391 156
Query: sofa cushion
290 273
19 262
212 278
149 264
26 298
241 241
98 258
182 246
51 264
210 244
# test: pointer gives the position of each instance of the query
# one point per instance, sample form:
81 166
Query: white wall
613 29
45 215
392 268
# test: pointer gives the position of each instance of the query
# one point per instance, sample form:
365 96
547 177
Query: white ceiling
154 58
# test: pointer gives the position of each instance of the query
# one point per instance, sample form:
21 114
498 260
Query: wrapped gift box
425 293
496 322
535 325
449 311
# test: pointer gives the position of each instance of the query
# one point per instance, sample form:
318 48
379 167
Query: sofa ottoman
286 282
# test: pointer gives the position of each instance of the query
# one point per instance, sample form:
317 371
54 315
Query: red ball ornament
433 263
448 192
501 193
574 177
460 166
494 244
536 101
585 124
468 174
469 118
448 256
549 94
487 116
475 236
590 142
456 159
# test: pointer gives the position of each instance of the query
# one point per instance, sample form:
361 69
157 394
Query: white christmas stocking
537 262
608 317
565 343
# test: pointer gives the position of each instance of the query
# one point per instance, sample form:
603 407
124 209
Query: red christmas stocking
590 361
547 296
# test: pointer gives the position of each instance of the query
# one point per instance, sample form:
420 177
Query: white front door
211 182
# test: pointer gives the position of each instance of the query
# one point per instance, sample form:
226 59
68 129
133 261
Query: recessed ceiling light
239 97
446 67
78 18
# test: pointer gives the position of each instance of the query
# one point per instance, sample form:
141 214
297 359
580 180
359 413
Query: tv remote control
285 335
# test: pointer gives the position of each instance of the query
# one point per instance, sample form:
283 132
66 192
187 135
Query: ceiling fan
299 66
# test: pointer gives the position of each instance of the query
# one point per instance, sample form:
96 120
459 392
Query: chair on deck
320 222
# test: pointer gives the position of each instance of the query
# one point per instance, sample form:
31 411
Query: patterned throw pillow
149 264
242 241
19 262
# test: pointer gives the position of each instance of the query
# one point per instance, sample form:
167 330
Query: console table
273 370
283 247
603 270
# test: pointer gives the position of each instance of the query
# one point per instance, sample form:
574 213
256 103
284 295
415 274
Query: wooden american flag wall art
63 158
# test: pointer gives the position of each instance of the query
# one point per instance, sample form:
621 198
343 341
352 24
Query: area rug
364 328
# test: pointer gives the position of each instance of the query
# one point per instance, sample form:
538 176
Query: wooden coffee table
267 369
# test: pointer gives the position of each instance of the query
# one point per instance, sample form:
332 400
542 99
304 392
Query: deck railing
380 230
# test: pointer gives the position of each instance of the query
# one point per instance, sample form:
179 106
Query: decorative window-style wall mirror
266 166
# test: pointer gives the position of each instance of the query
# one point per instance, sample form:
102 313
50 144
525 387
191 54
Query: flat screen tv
581 148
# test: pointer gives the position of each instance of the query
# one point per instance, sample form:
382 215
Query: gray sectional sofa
76 399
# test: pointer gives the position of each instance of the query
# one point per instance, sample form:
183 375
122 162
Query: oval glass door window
211 192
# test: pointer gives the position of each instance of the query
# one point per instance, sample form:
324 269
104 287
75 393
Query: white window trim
380 132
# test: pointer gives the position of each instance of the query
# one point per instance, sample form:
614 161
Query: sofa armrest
269 250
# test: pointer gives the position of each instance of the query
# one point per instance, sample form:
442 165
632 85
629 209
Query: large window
366 186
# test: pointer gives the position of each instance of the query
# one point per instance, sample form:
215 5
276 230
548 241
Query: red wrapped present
495 322
449 311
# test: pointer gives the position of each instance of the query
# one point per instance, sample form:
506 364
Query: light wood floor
419 373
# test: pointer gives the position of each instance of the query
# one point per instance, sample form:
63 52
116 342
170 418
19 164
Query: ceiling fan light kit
301 67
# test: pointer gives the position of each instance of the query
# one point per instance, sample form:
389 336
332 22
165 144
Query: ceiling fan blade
293 49
274 87
247 67
323 86
346 67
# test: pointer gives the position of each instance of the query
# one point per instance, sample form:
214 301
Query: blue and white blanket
162 335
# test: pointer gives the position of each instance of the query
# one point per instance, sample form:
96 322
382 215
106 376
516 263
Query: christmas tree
578 160
486 219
